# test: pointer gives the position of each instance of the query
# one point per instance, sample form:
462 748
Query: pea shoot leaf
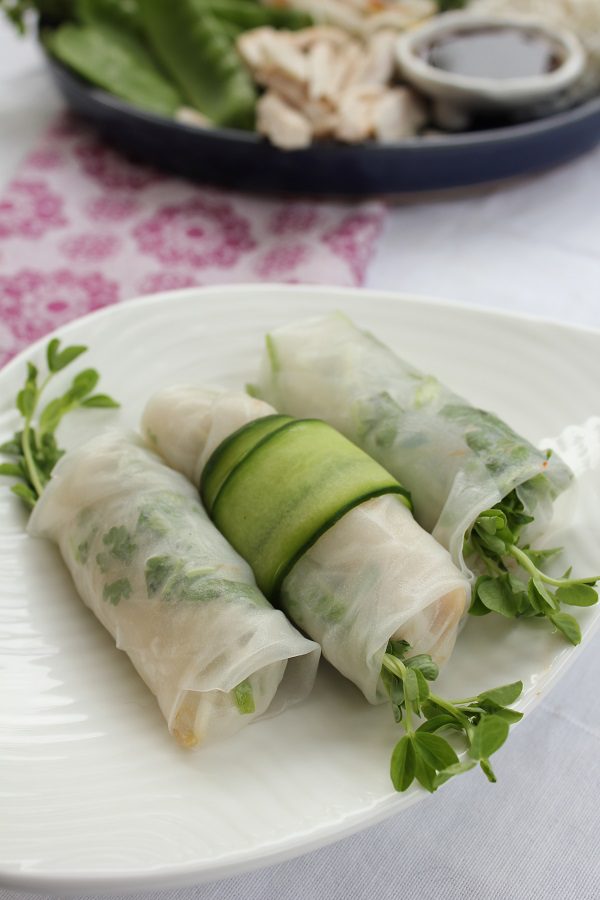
567 625
505 695
497 595
402 768
436 751
577 595
488 736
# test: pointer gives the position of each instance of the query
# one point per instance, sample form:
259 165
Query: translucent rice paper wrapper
373 576
455 460
146 559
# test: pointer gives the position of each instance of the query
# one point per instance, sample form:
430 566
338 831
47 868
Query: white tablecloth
532 246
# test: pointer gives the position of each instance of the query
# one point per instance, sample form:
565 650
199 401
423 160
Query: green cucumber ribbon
277 484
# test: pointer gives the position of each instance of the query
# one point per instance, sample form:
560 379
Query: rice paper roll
183 605
456 460
373 576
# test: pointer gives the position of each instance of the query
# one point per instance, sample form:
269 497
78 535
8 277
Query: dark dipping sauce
495 52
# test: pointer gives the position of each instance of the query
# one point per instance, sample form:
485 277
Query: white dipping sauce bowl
478 94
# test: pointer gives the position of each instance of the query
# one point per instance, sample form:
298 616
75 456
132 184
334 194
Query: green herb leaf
477 607
100 401
398 648
58 359
52 353
436 723
488 736
509 715
120 543
577 595
32 374
436 751
424 773
493 543
157 572
537 600
422 686
567 625
26 400
83 384
430 710
543 592
411 686
497 595
12 448
11 469
491 521
52 414
402 768
505 695
116 591
25 493
395 690
457 769
424 664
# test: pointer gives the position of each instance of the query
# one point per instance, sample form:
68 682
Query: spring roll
455 459
177 599
374 576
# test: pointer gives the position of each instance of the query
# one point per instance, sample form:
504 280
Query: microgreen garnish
33 449
483 722
515 584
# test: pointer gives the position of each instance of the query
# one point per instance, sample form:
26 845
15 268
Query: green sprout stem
526 563
35 476
397 668
32 469
394 665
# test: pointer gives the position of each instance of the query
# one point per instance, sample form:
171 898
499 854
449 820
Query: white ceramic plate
94 793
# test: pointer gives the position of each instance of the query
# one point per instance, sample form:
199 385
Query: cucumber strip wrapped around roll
181 603
482 490
372 577
456 460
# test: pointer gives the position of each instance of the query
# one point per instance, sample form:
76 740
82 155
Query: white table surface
530 246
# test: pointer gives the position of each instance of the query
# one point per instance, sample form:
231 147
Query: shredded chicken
322 82
284 125
399 114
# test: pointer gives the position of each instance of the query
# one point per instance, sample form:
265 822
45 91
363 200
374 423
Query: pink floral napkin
82 227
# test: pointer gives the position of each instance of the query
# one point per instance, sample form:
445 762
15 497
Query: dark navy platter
245 161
